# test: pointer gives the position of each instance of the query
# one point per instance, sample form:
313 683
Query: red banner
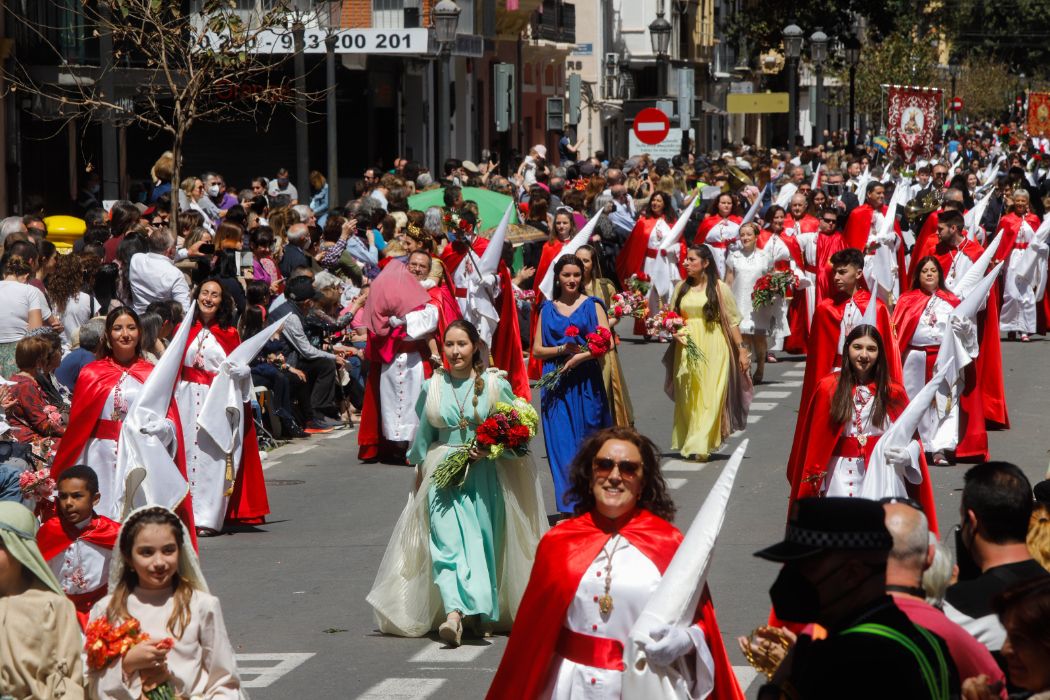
1038 114
913 120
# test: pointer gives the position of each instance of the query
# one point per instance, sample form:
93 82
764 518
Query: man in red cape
858 226
506 341
248 503
927 238
822 436
94 384
956 253
563 556
829 241
826 332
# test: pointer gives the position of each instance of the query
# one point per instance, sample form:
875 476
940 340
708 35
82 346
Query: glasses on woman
603 467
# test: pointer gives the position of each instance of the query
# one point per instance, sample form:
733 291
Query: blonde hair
1038 539
164 167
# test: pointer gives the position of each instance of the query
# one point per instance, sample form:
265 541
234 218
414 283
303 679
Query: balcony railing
555 21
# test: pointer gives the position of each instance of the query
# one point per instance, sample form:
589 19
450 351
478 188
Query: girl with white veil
156 579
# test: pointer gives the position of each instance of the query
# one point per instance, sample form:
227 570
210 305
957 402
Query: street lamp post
818 53
302 136
852 45
793 49
660 36
953 71
445 16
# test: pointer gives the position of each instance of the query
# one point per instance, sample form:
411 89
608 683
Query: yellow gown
612 371
700 391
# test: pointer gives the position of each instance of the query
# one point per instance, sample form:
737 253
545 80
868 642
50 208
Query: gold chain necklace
462 405
605 601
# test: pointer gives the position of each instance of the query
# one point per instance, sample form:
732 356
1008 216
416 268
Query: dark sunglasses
831 221
910 502
603 467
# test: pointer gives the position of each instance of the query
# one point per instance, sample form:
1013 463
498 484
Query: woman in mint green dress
464 551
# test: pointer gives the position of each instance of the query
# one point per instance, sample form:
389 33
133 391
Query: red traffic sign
957 104
651 126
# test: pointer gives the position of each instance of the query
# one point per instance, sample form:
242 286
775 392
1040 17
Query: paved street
293 591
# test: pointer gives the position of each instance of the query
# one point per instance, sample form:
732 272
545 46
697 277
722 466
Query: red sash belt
782 266
931 357
721 245
461 292
596 652
651 252
84 601
812 269
197 376
106 429
850 447
1020 246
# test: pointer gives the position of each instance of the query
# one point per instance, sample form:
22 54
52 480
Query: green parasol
491 205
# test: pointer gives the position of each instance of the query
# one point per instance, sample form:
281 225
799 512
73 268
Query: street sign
371 41
957 104
758 103
668 148
651 126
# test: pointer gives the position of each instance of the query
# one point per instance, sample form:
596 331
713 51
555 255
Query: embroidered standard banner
913 120
1039 114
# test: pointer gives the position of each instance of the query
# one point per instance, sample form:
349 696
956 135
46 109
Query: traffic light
555 114
575 87
503 94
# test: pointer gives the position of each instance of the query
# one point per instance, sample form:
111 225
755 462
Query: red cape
822 433
797 340
827 245
709 223
824 358
506 341
973 438
858 226
248 504
562 557
808 223
927 238
547 255
1010 226
631 259
55 535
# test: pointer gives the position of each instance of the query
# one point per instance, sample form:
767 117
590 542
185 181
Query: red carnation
572 332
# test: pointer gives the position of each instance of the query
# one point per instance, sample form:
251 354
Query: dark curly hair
654 497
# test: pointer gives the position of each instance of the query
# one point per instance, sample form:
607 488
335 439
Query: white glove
395 322
669 643
238 372
491 281
428 283
897 456
161 429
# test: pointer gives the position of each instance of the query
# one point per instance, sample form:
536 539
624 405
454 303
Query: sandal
206 532
1025 338
941 460
771 358
451 632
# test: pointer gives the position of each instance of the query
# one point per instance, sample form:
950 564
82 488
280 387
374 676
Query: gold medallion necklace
462 405
605 600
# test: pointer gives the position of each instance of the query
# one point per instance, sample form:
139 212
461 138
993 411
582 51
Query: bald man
912 554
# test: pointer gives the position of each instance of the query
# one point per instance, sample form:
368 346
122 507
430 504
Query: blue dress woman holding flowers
573 403
464 544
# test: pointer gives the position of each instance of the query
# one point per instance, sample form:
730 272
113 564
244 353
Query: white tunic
205 461
662 269
939 426
401 380
634 579
1019 294
747 269
779 329
83 567
101 454
725 231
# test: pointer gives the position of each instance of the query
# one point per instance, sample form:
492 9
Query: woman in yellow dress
602 289
711 397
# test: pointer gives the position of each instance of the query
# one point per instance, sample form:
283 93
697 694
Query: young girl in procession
223 487
155 579
594 285
744 267
577 405
40 638
720 229
710 395
464 551
848 413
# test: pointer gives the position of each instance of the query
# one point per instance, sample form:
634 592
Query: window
388 14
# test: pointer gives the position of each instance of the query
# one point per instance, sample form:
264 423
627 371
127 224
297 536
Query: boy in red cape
858 226
832 321
829 241
78 543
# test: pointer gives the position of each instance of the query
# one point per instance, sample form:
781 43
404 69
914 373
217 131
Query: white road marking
792 383
680 465
343 432
795 373
270 463
772 395
752 419
439 653
745 676
300 450
265 674
676 483
760 406
403 688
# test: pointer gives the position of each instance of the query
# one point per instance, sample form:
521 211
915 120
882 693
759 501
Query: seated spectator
996 509
54 391
65 287
82 354
32 418
295 254
154 277
24 309
912 553
263 266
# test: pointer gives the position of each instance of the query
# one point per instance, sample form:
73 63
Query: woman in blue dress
463 551
577 406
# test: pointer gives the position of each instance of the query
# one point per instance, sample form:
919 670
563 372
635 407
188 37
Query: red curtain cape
709 223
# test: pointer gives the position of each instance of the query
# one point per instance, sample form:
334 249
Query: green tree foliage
1015 33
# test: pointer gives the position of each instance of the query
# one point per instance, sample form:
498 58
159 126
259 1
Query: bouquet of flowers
454 223
668 321
106 643
629 303
37 485
637 284
770 286
509 427
598 343
526 295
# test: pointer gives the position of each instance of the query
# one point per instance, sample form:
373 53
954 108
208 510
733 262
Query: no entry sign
651 126
957 104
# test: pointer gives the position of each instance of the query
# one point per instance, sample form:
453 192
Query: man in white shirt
282 185
154 277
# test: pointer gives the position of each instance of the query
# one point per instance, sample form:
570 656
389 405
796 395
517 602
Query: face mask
213 191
